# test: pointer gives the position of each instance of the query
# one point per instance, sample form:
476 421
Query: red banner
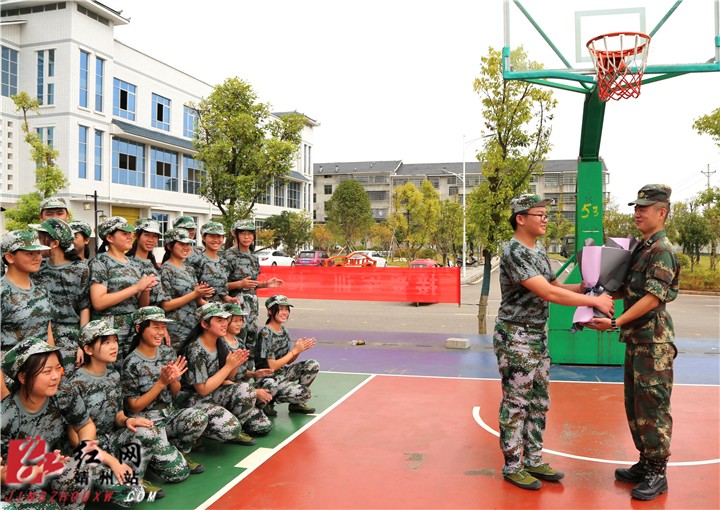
407 284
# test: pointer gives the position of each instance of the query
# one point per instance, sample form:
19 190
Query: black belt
525 325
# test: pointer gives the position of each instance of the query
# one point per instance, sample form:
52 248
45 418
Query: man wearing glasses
528 284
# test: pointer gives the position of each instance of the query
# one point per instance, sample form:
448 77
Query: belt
525 325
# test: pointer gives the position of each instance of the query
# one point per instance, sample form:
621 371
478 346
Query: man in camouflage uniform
189 224
54 207
527 283
647 330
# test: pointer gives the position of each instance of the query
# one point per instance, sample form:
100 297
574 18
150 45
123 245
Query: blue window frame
192 174
82 152
124 99
99 83
9 86
128 162
164 169
84 63
45 88
293 195
51 63
160 112
163 219
279 192
190 117
98 154
40 76
47 135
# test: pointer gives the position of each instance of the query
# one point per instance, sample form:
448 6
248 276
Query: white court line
232 483
479 420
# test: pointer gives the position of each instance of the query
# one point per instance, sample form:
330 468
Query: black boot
633 474
654 483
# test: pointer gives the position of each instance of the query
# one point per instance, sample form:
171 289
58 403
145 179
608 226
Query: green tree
381 235
243 147
710 199
517 130
448 232
322 238
416 212
618 224
558 225
349 215
291 229
691 230
49 178
709 125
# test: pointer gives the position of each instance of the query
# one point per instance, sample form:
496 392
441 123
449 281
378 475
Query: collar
656 236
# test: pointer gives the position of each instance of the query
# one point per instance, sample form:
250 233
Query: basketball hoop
620 60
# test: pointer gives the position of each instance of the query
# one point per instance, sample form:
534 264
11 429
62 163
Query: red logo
29 462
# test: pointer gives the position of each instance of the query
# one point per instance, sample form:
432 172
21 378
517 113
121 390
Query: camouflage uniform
649 347
177 282
293 381
25 313
147 268
187 222
181 427
214 272
520 344
241 265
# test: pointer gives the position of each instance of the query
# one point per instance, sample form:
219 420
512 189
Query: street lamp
464 246
94 206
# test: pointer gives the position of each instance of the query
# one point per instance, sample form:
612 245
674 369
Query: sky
393 80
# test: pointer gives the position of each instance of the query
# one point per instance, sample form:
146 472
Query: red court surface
416 442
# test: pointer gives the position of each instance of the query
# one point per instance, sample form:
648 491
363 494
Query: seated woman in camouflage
275 350
150 381
34 409
205 384
180 293
100 388
67 280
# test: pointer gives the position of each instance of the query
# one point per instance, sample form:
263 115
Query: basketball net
619 60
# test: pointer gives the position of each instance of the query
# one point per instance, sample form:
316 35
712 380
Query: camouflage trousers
255 420
291 383
66 338
648 386
181 427
524 365
221 406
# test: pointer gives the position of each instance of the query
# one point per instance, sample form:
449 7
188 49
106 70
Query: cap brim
223 315
643 201
34 247
127 228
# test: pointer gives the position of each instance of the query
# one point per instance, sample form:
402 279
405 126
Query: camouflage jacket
24 313
272 345
177 282
213 272
654 269
224 348
68 287
517 264
102 395
115 276
139 374
241 265
147 268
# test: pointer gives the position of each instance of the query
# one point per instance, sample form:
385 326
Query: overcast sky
392 80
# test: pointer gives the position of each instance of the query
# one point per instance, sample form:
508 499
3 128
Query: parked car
424 263
310 258
380 261
274 258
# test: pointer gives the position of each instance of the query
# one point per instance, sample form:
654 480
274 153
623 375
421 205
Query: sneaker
301 408
195 467
523 480
149 488
270 411
545 472
243 439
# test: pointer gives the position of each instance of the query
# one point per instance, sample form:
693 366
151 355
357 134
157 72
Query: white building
119 118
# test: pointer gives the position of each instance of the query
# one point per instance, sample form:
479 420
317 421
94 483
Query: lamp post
86 206
464 244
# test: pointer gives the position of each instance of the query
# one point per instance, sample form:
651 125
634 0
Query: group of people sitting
122 365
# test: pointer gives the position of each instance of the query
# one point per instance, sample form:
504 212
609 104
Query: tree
322 238
49 179
381 235
709 125
618 224
691 230
517 131
349 215
448 233
244 149
710 199
558 225
416 212
291 229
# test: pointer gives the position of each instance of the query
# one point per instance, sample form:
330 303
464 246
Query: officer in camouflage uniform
210 267
527 283
142 372
647 330
189 224
67 280
149 265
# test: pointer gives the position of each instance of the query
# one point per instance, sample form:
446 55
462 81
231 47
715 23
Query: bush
427 253
702 279
684 260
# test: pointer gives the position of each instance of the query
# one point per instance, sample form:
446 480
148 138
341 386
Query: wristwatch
613 323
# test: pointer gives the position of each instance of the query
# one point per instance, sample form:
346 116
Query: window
47 135
435 181
124 99
264 197
163 174
40 76
192 174
279 193
9 72
328 189
190 117
84 63
552 179
99 83
128 162
377 196
82 152
162 219
161 112
293 195
452 180
98 154
569 178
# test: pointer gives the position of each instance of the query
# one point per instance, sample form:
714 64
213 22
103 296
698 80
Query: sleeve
84 295
165 287
131 376
99 272
520 265
197 366
73 408
660 274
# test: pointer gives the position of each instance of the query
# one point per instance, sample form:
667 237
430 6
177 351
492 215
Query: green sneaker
243 439
545 472
159 493
269 410
523 480
301 408
195 467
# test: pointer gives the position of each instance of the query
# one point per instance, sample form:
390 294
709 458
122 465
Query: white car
380 261
274 258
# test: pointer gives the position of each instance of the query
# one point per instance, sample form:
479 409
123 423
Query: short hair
661 205
513 220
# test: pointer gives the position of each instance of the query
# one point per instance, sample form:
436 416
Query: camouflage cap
184 222
17 356
58 230
206 311
148 225
112 224
212 227
53 203
150 313
93 330
179 235
235 309
26 240
652 194
82 227
526 202
278 299
248 224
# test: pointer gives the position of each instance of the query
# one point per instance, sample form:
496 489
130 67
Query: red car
310 258
423 263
